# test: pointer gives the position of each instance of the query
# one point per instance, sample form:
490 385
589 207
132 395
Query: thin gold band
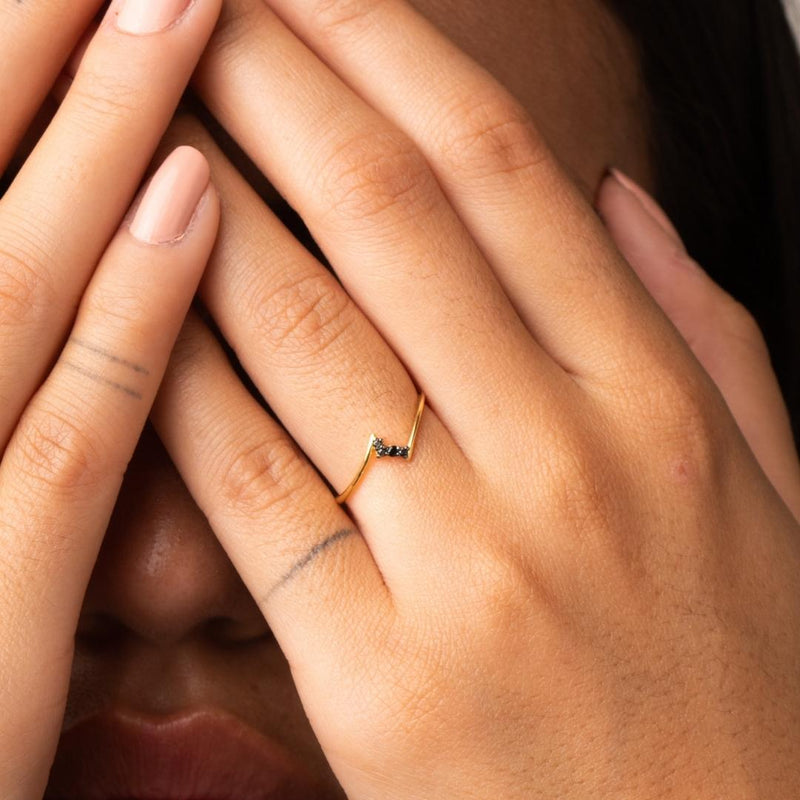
377 448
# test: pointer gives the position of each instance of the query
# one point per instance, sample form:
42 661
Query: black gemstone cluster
392 451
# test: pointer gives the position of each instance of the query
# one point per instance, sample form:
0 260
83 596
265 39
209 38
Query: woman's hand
583 584
722 334
89 312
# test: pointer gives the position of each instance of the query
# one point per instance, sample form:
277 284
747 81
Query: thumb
722 334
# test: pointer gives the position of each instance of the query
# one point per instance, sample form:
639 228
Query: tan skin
161 571
164 592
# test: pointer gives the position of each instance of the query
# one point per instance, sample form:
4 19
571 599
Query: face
167 626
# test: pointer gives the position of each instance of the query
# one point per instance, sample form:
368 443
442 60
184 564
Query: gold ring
377 448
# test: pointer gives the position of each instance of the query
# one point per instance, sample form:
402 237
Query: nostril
229 632
162 580
99 633
103 633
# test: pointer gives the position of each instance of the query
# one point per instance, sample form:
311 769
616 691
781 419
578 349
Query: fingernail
649 204
149 16
641 230
171 199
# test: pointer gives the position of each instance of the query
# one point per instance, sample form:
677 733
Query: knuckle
105 100
577 493
684 426
373 173
25 292
256 481
123 306
489 134
58 454
303 317
342 18
499 591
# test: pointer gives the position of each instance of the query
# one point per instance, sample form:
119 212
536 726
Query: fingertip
648 202
172 197
655 252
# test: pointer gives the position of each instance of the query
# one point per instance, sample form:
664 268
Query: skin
162 575
161 569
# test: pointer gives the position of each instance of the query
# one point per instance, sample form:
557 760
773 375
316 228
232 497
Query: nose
162 577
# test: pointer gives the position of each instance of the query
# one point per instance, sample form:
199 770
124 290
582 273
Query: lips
203 755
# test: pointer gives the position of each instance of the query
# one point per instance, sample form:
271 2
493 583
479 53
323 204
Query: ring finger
325 371
305 563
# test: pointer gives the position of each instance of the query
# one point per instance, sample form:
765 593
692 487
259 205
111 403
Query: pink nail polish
171 199
649 204
149 16
637 225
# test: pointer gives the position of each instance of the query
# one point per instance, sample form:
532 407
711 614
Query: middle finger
376 209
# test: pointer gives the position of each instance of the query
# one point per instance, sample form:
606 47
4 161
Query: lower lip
204 755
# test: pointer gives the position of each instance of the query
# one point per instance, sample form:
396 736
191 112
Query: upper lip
198 755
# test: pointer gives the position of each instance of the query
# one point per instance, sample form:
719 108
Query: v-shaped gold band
378 449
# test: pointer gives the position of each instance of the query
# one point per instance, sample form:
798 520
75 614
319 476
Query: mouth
202 755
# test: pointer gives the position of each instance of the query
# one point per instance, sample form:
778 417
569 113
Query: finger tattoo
110 356
311 556
98 375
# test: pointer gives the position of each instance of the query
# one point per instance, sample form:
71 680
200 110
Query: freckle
681 471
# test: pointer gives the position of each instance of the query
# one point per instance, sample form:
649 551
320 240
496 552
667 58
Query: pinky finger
63 467
723 336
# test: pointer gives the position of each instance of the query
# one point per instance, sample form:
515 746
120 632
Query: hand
76 388
583 584
723 336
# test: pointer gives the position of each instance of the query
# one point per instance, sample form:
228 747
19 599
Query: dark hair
723 80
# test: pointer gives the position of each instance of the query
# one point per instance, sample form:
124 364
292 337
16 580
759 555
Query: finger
303 560
540 236
326 373
35 40
721 333
63 207
64 81
62 470
379 215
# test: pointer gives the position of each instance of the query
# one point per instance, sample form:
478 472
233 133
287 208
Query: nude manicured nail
149 16
643 233
648 203
171 199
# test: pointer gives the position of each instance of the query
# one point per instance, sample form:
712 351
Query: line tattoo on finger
309 557
101 351
121 387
